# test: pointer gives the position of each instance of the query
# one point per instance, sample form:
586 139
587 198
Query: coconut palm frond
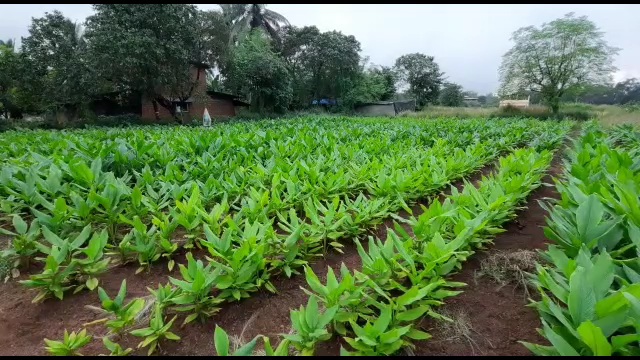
232 12
272 31
240 29
245 17
275 17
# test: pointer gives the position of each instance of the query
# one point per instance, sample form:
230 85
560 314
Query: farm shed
376 109
515 103
470 101
404 105
385 108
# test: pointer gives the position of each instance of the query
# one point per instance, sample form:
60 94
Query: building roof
222 95
376 103
237 102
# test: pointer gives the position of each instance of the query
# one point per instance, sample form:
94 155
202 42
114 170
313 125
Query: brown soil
497 316
24 325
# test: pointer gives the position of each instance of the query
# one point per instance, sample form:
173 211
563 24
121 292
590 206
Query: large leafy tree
260 74
8 44
149 48
451 95
555 58
294 51
322 64
244 18
423 76
624 92
211 39
389 80
627 91
369 86
9 63
54 73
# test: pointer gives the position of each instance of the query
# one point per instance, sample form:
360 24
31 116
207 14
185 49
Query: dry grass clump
510 268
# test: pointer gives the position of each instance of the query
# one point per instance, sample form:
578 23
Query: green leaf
594 338
171 336
190 318
560 344
582 298
311 313
416 334
620 341
92 283
247 349
221 341
383 321
19 224
413 314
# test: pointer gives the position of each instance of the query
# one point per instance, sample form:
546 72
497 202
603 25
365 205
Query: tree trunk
169 106
555 105
253 100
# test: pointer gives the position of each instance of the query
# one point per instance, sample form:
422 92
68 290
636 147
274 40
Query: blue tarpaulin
324 101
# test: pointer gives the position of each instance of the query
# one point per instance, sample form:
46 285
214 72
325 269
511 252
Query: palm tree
243 18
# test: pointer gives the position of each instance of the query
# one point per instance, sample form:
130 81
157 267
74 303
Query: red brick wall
217 107
148 112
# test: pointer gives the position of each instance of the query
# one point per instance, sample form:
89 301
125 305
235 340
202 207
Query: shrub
115 120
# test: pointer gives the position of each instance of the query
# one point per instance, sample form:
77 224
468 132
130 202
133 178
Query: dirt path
490 319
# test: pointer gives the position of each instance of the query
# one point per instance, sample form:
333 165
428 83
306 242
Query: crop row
156 219
589 282
245 250
403 278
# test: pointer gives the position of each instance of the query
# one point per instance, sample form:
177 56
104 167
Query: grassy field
607 114
152 240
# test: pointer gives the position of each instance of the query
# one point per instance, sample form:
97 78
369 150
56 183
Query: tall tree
370 86
8 77
322 64
451 95
149 49
627 91
259 73
423 76
557 56
246 17
9 44
294 50
389 80
56 75
211 39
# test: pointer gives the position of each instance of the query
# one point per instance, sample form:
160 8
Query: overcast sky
467 41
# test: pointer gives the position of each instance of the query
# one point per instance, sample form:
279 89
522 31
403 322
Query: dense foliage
148 51
589 283
261 199
556 58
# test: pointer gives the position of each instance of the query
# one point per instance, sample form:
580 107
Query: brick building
218 104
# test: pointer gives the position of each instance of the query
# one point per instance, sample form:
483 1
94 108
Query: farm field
377 219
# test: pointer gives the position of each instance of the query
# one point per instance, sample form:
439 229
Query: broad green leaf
221 341
594 338
582 297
